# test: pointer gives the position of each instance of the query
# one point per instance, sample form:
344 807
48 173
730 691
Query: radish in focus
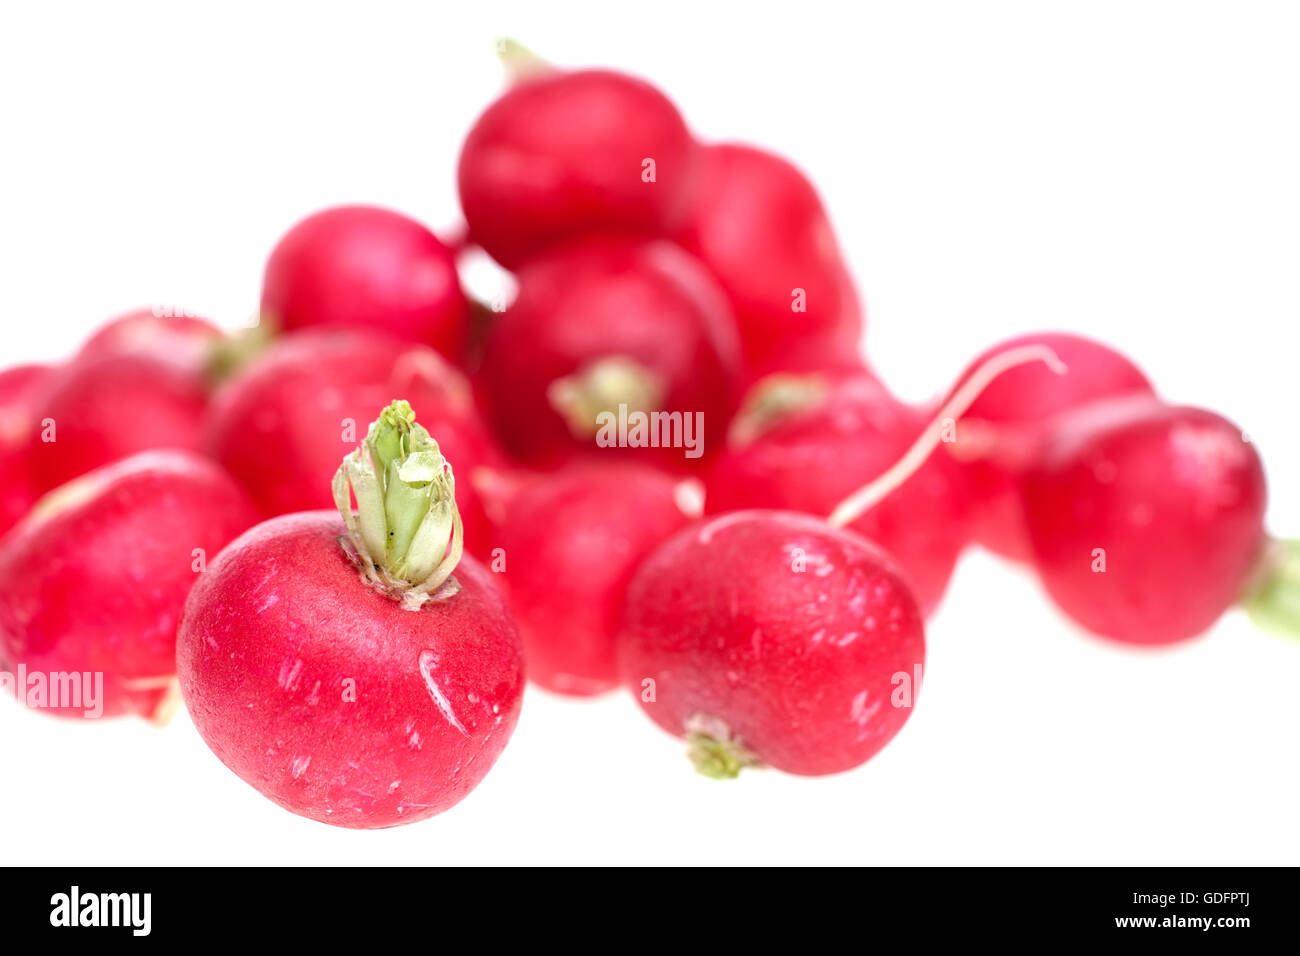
563 155
604 328
571 541
770 637
370 269
354 667
93 580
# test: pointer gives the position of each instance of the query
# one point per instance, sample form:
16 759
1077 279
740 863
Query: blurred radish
563 155
604 324
760 228
819 437
19 388
355 667
93 580
999 435
112 404
1146 522
571 541
167 334
371 269
304 405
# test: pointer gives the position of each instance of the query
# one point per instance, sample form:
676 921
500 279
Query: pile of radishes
344 536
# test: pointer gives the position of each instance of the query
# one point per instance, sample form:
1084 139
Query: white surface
1122 169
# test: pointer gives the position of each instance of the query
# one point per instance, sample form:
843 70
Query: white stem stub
405 533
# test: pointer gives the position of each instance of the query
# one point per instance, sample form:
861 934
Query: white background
1128 170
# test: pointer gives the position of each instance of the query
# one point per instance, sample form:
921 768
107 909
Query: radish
1000 431
111 405
338 665
1146 522
805 442
772 637
93 580
571 541
19 388
369 269
603 335
761 229
303 405
769 637
165 333
563 155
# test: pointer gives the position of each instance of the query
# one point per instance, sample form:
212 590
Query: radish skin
185 341
305 404
759 226
367 269
770 637
111 405
845 431
998 436
1146 519
607 323
19 388
563 155
93 580
355 667
571 541
329 697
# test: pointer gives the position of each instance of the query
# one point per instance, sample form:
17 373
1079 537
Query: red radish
820 437
770 637
605 324
1146 519
366 268
104 407
761 229
1000 431
93 580
166 333
566 154
19 388
571 542
778 638
304 403
338 665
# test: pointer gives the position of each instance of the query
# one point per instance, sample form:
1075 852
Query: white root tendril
872 493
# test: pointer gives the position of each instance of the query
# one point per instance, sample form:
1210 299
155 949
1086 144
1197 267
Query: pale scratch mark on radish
300 765
290 675
427 661
861 714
